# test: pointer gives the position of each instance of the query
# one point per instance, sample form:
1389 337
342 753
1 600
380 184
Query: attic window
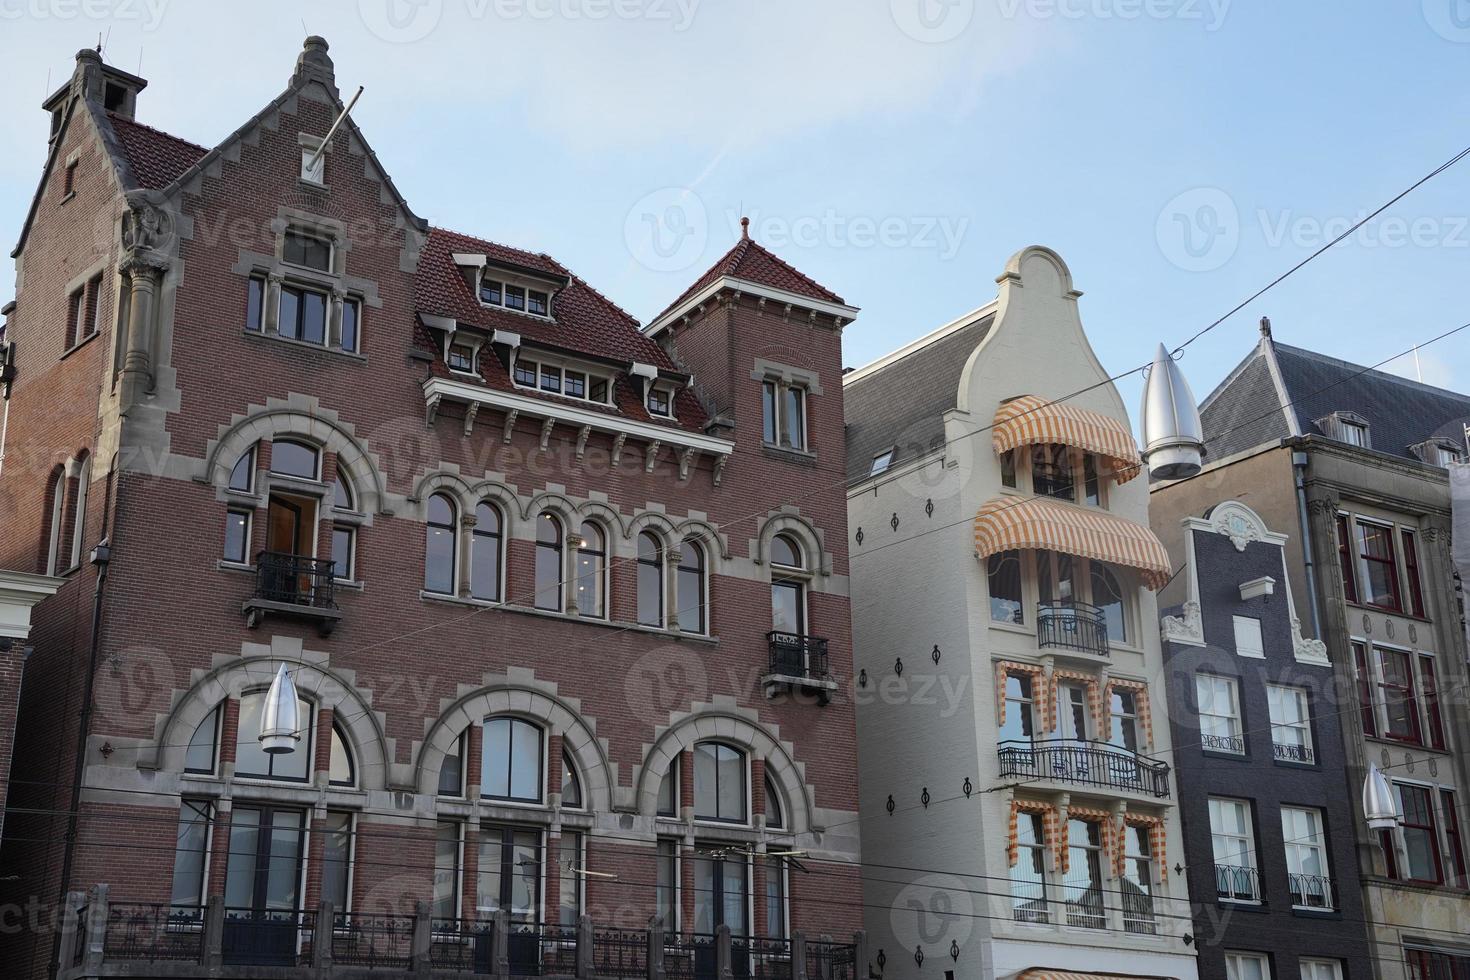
660 402
522 299
881 462
462 358
1353 433
114 97
1448 455
1347 427
307 251
556 379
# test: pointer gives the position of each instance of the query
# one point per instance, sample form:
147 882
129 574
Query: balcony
1310 892
1236 883
107 939
798 663
1288 752
293 585
1086 764
1229 744
1075 627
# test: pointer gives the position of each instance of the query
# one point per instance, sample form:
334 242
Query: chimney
1266 327
110 89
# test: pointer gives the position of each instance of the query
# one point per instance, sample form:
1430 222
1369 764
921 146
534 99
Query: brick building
565 599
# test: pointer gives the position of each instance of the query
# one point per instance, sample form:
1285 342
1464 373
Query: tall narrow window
439 547
666 893
788 586
650 580
776 897
237 536
1306 858
1455 844
1291 726
549 543
351 323
591 570
1345 560
1107 596
721 890
1396 692
1233 840
1411 572
691 590
512 764
668 790
337 861
255 304
1137 882
510 879
1020 705
571 784
1219 714
1091 484
1003 572
1082 884
1429 684
1378 567
719 783
79 513
1365 690
74 304
769 412
1008 468
1028 874
1421 838
93 303
341 771
451 770
1123 712
485 554
57 512
569 867
447 872
793 418
344 548
201 754
191 856
775 811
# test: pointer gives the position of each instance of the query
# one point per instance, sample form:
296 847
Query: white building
1019 813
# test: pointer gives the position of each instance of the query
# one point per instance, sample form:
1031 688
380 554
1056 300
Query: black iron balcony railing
382 942
1087 764
795 655
1028 901
255 937
1138 910
621 954
831 961
1291 752
154 932
1234 744
1237 883
1310 891
1074 626
295 580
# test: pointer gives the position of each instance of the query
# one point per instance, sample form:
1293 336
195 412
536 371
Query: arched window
242 477
485 554
298 459
548 562
591 570
254 762
57 502
203 745
571 784
451 771
79 512
668 790
1107 596
342 771
719 783
439 548
775 811
788 586
512 761
342 495
650 580
691 588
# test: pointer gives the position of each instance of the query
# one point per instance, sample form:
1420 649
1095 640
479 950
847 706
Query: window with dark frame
254 762
1345 560
237 536
439 545
1429 685
292 458
1396 694
344 541
660 402
242 476
1454 842
537 302
202 753
303 315
341 770
351 324
650 586
74 317
590 584
526 372
1411 570
1378 566
462 358
549 546
307 251
719 783
769 434
691 586
512 765
515 297
485 554
571 784
1364 680
668 790
451 770
1003 572
255 304
551 378
1420 833
94 302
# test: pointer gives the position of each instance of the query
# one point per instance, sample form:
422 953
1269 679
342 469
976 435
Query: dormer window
660 402
1347 427
557 379
881 462
307 251
1354 433
512 296
1448 455
461 358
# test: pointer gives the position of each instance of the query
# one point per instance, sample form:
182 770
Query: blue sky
1179 154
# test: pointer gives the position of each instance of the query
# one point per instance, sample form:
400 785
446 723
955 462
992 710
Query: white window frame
648 401
1249 842
1295 844
1275 695
881 461
450 342
564 367
781 389
1233 959
1234 716
527 285
1312 967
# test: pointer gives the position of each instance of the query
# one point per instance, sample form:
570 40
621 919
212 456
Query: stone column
464 587
145 275
272 317
570 544
672 557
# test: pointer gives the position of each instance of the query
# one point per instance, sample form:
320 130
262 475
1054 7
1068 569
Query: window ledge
242 567
313 185
789 453
80 344
618 625
304 345
1019 629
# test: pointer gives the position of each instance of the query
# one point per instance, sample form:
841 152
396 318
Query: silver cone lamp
1173 438
1379 807
280 717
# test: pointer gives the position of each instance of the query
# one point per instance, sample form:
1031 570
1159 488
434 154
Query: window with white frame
1219 713
1232 837
558 379
1353 433
660 401
496 290
1248 640
1306 858
191 858
783 415
881 462
461 358
1317 969
1247 966
1291 724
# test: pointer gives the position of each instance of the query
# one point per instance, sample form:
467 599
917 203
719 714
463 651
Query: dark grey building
1353 464
1259 760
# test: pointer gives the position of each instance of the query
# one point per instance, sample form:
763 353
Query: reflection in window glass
251 760
512 760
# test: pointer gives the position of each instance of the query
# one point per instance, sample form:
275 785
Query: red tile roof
156 158
755 263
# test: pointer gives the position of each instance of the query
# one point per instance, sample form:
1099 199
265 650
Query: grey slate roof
902 404
1401 413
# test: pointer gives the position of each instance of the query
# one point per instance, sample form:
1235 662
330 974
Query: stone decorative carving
1367 625
1238 523
1413 633
1433 766
1389 628
1303 648
1188 628
146 227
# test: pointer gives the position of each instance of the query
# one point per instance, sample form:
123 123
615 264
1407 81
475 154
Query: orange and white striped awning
1041 523
1071 975
1031 420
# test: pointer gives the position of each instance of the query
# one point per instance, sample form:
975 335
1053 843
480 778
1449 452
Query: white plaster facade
938 875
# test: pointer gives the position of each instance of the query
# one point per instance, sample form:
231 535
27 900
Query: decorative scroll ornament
1187 628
